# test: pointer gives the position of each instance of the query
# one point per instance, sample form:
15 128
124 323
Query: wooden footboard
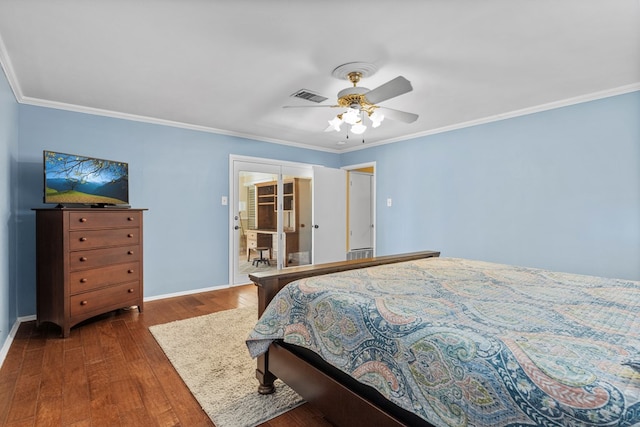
314 382
270 282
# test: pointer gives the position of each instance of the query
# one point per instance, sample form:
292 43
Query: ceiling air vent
309 96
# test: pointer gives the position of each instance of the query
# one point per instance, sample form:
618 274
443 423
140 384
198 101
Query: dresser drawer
121 295
89 239
85 280
86 220
256 239
81 260
252 243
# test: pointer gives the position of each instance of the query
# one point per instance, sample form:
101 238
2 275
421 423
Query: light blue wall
558 189
8 186
179 175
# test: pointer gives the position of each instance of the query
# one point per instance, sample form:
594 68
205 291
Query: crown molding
7 67
5 63
145 119
509 115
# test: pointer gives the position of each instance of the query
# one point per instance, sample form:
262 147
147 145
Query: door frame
274 162
374 193
233 250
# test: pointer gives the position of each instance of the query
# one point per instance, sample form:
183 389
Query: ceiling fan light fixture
335 123
359 104
376 118
358 128
351 116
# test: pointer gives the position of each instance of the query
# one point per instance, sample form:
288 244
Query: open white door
360 211
329 215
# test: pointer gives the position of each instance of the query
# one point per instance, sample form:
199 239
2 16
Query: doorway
269 216
361 231
283 215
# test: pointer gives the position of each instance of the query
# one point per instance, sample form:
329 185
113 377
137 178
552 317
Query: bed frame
341 399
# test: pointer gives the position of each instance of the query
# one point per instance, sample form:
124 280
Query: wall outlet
389 202
224 201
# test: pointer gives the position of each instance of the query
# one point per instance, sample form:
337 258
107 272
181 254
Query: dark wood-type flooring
111 372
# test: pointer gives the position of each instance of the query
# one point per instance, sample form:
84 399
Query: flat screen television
70 179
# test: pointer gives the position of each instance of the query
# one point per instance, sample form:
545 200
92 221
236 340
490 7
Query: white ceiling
229 66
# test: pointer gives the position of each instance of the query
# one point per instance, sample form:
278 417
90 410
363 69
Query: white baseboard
12 333
183 293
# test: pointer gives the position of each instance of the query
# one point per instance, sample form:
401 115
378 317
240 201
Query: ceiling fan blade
309 106
390 89
401 116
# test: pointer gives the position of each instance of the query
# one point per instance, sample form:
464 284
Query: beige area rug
210 354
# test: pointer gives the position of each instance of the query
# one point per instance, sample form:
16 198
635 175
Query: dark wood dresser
88 262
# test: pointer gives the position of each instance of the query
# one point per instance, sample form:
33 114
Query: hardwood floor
111 372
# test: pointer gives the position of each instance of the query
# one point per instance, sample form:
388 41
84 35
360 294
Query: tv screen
70 179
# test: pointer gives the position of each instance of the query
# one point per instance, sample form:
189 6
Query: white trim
509 115
266 161
146 119
189 292
374 202
280 165
6 65
360 166
5 62
12 333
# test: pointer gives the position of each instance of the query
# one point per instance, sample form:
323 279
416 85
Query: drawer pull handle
83 219
83 280
130 290
130 218
130 235
83 239
83 258
129 252
130 271
84 302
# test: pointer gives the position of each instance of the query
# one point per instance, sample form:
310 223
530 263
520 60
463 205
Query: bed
423 340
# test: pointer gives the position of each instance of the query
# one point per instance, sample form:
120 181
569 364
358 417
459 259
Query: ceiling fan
360 104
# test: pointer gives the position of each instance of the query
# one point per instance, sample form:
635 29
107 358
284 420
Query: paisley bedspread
469 343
